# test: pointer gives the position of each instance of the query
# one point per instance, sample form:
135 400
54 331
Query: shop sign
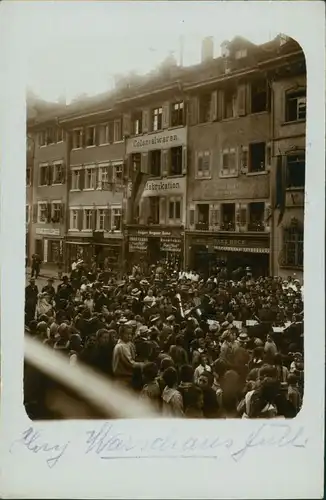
47 231
138 244
161 140
165 187
237 242
171 245
153 232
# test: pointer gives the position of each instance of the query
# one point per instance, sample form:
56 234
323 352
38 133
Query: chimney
207 49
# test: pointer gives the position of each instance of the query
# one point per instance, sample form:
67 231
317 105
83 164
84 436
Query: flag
280 187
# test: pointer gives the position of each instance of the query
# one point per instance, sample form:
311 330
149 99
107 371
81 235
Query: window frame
87 136
114 208
176 112
40 167
101 168
297 155
73 170
228 92
85 213
158 207
297 242
173 201
55 165
265 169
226 171
53 203
100 212
290 94
157 117
151 153
170 174
92 168
81 134
200 173
137 117
27 214
71 219
115 179
117 121
39 211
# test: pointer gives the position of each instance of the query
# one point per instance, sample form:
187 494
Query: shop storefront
107 251
50 245
237 251
148 246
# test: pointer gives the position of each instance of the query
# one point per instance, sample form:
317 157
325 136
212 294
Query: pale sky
77 47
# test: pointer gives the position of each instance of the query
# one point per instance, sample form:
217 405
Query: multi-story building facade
157 152
49 192
96 152
196 165
289 132
231 140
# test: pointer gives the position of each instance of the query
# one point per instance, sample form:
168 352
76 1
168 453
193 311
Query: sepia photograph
165 201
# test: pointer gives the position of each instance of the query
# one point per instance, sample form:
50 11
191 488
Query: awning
78 242
242 249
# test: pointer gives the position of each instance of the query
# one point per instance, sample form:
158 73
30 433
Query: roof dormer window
241 54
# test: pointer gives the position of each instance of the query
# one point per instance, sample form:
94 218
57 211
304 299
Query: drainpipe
124 208
271 180
67 212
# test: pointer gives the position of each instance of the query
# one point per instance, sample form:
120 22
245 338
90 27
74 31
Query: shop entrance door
154 250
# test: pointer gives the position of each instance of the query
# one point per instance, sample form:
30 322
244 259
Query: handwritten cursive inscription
107 443
34 442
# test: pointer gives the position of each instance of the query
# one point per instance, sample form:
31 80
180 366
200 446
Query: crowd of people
192 347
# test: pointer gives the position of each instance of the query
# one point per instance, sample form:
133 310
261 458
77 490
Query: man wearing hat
31 294
49 289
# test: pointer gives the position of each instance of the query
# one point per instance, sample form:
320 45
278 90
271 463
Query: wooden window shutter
48 212
81 178
211 217
268 160
49 174
143 211
126 125
96 177
242 217
165 162
244 159
214 106
107 219
62 213
166 115
144 163
184 160
80 220
268 216
64 173
83 137
220 104
193 110
35 212
162 210
242 97
192 220
94 212
145 123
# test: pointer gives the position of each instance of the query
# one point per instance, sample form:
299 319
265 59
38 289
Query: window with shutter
107 219
165 162
214 105
126 125
184 160
191 217
49 174
242 100
117 130
144 163
193 110
145 120
162 210
80 219
35 212
166 115
220 104
244 160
